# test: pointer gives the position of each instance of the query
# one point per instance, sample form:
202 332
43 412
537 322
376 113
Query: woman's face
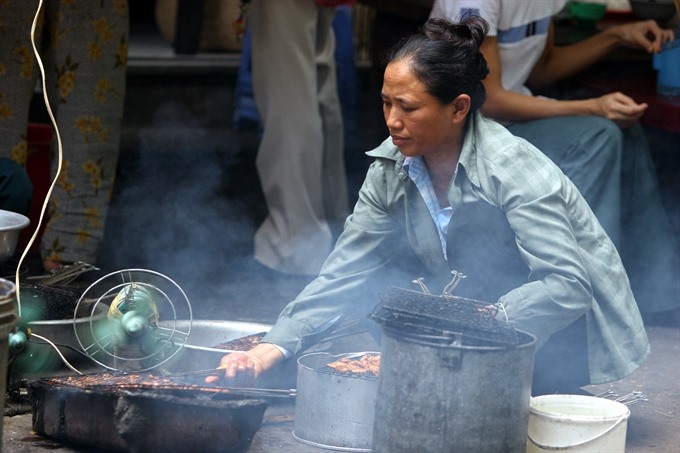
419 124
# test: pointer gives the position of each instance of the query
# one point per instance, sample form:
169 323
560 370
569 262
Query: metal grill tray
145 420
474 319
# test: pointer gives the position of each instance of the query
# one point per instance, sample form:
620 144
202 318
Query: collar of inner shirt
417 171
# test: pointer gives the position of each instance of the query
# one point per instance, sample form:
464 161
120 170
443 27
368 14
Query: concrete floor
187 203
652 427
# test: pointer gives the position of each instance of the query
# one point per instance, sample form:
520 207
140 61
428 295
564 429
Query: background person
597 142
84 50
16 188
300 160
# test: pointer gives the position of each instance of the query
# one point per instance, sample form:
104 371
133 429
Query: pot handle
585 442
452 358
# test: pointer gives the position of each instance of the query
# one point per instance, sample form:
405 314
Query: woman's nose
392 119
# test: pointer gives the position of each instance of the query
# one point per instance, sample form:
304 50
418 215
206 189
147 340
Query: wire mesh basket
46 302
475 320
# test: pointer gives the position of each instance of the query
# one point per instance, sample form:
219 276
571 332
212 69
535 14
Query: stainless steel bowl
200 351
11 225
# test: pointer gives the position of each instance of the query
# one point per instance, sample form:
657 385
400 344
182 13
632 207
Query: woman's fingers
240 370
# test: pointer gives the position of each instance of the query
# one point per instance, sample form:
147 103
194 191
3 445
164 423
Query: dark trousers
16 189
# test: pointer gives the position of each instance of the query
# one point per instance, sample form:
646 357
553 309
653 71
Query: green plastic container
587 11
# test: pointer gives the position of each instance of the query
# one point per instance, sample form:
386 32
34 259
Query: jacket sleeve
555 233
348 282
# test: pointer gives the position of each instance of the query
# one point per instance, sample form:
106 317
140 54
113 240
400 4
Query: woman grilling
452 190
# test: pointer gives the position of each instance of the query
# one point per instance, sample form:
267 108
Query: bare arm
504 105
561 62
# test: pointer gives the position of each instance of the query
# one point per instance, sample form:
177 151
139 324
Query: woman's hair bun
470 31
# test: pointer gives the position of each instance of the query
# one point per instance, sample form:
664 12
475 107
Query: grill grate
473 319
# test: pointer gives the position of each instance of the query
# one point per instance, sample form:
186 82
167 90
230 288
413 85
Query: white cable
63 359
505 313
59 160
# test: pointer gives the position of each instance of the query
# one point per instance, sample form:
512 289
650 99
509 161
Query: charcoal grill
475 321
145 415
132 408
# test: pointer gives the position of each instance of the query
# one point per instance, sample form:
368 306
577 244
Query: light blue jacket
391 239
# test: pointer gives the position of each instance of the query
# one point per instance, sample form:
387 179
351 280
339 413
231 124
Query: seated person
597 142
16 189
452 190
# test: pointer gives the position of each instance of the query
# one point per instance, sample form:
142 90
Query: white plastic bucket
576 423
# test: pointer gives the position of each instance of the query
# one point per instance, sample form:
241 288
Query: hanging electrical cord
59 154
61 356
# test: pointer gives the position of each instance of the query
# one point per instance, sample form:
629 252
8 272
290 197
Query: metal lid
427 313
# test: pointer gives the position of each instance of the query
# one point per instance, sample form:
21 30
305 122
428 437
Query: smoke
171 212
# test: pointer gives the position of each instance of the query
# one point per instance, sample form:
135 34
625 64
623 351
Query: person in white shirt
597 142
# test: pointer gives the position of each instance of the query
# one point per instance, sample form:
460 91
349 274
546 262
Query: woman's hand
645 34
620 108
241 369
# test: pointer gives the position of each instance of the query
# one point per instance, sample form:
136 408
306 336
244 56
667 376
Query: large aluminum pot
437 394
332 410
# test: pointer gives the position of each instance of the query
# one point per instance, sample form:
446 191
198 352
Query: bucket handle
555 448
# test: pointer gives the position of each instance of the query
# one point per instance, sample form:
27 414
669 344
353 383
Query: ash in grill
114 382
119 380
475 320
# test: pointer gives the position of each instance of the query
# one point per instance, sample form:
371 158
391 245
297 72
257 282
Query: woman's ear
461 108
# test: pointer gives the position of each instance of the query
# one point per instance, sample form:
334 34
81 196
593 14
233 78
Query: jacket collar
468 155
